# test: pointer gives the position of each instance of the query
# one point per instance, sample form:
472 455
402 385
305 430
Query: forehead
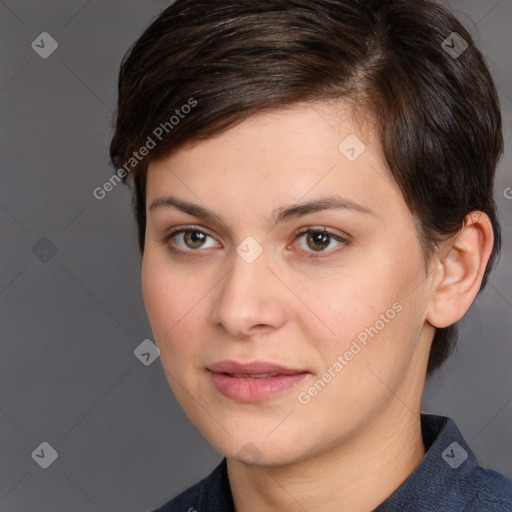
286 155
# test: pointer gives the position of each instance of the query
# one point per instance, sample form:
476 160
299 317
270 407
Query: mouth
256 369
253 381
246 376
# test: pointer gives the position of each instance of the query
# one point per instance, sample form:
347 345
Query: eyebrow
280 214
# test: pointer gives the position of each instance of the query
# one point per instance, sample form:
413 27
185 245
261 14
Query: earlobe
460 271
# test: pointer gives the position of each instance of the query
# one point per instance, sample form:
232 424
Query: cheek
165 297
351 297
175 303
369 305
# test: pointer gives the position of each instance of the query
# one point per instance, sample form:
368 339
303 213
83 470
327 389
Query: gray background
70 321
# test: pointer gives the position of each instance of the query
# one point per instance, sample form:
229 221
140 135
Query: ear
460 269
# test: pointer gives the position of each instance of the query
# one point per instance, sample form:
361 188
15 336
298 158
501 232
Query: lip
246 389
252 368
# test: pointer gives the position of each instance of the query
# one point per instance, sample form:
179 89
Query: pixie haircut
436 113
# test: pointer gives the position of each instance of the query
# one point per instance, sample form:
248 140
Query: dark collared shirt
448 479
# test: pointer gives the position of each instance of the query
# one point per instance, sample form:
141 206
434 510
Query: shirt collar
442 481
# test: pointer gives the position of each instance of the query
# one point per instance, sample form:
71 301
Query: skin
359 438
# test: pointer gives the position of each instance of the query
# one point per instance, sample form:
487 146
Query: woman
314 195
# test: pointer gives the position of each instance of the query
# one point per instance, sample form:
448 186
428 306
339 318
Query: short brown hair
437 112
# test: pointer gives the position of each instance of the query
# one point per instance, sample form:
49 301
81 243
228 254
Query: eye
319 239
191 238
187 239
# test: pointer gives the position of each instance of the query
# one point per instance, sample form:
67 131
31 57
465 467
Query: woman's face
343 311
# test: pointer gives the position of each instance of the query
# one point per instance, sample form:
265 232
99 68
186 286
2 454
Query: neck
356 476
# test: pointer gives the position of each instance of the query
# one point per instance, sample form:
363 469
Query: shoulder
449 478
456 473
187 501
211 493
493 492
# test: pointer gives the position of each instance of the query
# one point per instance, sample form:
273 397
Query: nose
250 299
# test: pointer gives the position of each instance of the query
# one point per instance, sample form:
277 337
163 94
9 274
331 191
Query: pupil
320 239
195 237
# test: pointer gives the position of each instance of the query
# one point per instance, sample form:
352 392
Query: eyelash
322 254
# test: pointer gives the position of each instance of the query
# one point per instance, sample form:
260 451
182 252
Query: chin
258 448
